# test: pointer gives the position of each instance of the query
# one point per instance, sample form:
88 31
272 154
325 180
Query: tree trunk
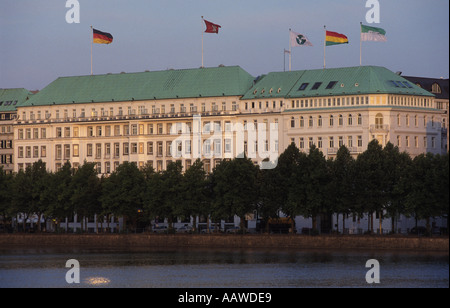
381 222
343 223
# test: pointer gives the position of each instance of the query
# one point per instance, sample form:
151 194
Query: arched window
341 120
350 120
359 119
379 121
319 121
292 122
331 121
302 122
311 121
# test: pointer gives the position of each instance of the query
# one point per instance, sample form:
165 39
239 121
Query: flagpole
290 51
360 46
324 45
92 44
202 42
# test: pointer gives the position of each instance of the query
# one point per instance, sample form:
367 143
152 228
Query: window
341 120
292 122
360 143
316 86
435 88
310 142
67 151
320 142
43 151
58 151
159 148
302 122
107 150
331 121
89 150
98 150
311 121
227 145
319 121
303 86
379 121
76 150
359 119
350 141
331 142
134 148
116 150
150 148
350 120
116 130
126 149
331 85
302 143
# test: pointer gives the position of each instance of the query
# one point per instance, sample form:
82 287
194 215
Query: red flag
211 28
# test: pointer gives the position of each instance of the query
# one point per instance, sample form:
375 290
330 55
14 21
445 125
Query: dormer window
436 89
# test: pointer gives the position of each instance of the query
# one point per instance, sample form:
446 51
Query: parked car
184 229
233 230
160 229
418 231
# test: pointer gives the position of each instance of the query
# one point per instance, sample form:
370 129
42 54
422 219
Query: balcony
379 128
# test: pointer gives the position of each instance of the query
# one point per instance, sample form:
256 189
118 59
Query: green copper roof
169 84
10 99
334 82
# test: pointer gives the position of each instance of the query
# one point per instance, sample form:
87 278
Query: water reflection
181 268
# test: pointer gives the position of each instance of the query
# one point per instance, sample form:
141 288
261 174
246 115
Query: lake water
220 268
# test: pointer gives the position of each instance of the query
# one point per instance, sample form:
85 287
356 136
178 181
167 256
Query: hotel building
215 113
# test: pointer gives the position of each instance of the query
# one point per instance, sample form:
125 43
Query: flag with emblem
298 39
211 28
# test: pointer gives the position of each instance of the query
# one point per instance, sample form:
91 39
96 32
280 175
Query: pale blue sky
37 45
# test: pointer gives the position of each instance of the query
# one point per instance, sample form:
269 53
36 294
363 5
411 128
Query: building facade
215 113
10 99
218 113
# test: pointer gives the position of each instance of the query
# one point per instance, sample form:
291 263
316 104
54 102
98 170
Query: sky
37 45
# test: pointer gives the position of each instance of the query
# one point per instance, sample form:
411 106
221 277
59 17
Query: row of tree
380 180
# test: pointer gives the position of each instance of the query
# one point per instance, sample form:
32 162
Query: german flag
334 38
102 37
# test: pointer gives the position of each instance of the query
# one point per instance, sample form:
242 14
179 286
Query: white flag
298 39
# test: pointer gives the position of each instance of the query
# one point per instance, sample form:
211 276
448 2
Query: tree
424 198
316 183
58 194
235 188
395 165
195 199
86 189
370 185
123 192
164 198
342 185
6 181
287 180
